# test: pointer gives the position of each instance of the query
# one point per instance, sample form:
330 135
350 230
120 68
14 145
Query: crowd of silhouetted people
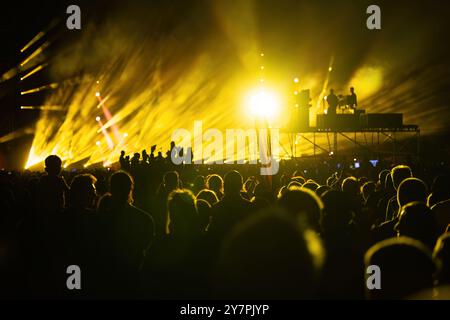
153 230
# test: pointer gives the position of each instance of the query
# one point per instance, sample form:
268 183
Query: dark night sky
412 47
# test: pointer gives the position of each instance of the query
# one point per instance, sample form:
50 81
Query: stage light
296 80
263 103
38 68
97 94
295 92
262 54
35 39
97 118
330 69
262 67
49 86
125 135
98 143
331 153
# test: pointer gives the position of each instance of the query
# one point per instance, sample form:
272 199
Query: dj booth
359 120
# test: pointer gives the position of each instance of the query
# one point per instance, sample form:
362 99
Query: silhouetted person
441 255
176 259
409 190
269 256
123 161
303 203
129 233
440 190
406 268
232 208
171 181
342 275
441 211
53 188
352 99
215 183
333 102
208 195
398 174
417 221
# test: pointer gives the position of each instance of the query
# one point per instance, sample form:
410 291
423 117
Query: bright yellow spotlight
296 80
263 103
97 94
330 69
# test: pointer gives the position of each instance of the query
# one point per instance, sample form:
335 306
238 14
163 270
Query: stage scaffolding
365 141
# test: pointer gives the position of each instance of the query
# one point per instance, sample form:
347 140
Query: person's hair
350 186
406 267
215 183
400 173
53 164
441 255
207 195
82 190
304 203
121 186
232 182
182 216
311 185
411 189
417 221
269 256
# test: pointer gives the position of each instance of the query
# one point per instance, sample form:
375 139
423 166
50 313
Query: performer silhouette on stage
352 99
333 102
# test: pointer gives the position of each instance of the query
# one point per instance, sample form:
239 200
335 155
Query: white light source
97 119
263 103
296 80
97 94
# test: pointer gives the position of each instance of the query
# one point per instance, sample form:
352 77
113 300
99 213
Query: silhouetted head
215 183
304 203
368 189
182 213
352 90
137 156
350 186
82 190
411 189
331 91
406 267
270 256
400 173
208 195
122 153
172 145
417 221
199 183
441 255
122 185
53 165
171 180
232 183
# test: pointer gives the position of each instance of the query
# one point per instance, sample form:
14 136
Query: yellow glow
367 81
35 53
296 80
263 103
